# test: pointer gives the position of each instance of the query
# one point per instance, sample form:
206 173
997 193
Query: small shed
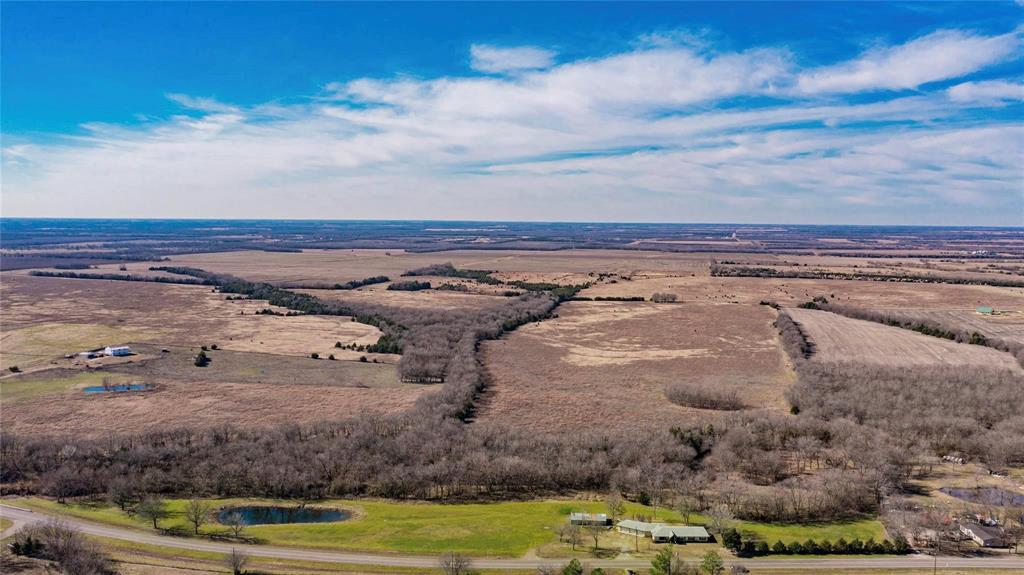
119 350
985 310
680 534
589 519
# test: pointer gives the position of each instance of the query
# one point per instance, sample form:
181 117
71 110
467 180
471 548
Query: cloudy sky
728 112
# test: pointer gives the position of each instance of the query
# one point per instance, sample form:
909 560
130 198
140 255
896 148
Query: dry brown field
261 375
44 318
838 339
177 404
1004 324
703 288
605 365
422 299
343 265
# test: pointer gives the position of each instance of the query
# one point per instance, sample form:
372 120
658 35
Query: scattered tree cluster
720 270
411 285
704 395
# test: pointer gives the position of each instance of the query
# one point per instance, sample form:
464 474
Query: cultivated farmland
841 339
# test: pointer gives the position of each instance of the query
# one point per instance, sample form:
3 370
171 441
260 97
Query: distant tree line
123 277
719 270
450 271
409 286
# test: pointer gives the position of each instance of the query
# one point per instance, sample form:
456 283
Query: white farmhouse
117 350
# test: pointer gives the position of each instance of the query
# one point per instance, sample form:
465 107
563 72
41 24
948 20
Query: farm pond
986 495
276 515
117 388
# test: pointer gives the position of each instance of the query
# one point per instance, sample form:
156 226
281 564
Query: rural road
19 515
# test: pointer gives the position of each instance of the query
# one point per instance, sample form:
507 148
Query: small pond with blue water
274 515
117 388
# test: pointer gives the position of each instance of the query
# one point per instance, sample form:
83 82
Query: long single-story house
983 535
662 533
680 534
117 350
634 527
589 519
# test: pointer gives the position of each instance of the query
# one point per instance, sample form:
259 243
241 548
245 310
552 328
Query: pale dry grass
198 405
343 265
422 299
605 365
838 338
870 294
48 317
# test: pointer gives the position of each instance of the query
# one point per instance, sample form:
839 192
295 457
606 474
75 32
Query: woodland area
852 437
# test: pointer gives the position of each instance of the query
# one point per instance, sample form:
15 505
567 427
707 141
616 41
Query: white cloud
986 92
639 135
941 55
496 60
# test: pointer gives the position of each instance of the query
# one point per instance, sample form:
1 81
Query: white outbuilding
119 350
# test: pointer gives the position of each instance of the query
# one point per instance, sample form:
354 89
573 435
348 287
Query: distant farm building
87 354
117 351
983 535
589 519
985 310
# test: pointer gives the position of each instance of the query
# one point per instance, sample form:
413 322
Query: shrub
314 355
201 359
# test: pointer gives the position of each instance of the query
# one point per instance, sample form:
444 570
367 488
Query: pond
986 495
117 388
273 515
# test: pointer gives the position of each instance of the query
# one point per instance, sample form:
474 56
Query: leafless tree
595 532
615 504
454 564
197 512
720 517
236 523
154 509
236 562
573 535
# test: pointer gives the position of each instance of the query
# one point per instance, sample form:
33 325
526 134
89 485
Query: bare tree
236 562
595 532
154 509
236 523
615 504
720 517
454 564
573 535
197 512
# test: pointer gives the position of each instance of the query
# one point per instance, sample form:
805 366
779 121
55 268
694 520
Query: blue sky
794 113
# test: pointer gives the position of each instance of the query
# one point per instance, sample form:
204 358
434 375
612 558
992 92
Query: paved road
25 516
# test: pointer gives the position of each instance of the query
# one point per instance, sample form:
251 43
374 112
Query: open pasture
193 404
1006 325
422 299
701 287
45 318
841 339
605 365
342 265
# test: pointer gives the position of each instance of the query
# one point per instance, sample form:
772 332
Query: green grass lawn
863 529
508 529
35 385
5 523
